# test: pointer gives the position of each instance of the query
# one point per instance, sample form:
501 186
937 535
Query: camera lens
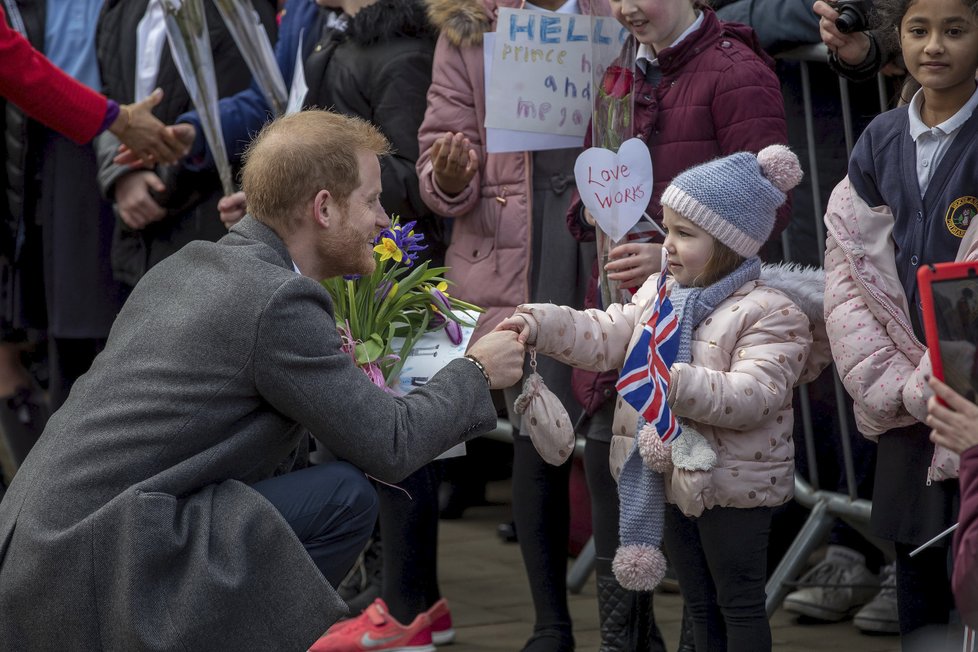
850 20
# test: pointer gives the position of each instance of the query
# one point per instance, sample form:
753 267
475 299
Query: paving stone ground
484 581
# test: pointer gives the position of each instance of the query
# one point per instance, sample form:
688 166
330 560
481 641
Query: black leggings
604 498
924 599
541 512
720 559
409 531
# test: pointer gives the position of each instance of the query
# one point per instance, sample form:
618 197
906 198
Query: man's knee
360 495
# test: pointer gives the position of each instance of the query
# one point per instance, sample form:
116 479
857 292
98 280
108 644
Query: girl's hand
588 217
852 49
454 161
633 263
232 208
955 425
519 325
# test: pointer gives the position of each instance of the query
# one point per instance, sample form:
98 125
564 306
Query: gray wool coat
131 525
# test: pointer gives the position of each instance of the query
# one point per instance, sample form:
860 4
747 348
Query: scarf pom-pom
639 567
656 454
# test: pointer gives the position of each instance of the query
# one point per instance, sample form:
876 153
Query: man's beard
347 250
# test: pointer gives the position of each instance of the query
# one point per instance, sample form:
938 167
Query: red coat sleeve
965 578
44 92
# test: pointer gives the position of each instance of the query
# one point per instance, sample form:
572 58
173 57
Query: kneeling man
149 515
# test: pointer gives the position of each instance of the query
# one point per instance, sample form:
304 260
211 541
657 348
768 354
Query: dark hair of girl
887 15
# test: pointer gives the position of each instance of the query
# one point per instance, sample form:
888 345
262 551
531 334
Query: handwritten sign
615 187
543 64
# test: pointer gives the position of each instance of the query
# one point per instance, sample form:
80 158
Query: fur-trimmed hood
386 19
805 286
463 22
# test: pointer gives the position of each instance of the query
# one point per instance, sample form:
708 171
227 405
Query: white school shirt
646 56
933 143
150 37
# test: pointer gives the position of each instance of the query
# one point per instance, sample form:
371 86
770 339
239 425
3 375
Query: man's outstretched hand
144 135
179 138
501 353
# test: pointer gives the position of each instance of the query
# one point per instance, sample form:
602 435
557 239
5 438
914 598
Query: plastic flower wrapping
612 123
396 304
190 45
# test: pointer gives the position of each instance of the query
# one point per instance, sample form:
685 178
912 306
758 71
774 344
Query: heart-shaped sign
615 187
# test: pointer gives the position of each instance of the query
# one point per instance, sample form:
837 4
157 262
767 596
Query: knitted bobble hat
735 198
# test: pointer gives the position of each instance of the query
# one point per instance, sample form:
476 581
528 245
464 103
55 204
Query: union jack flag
644 380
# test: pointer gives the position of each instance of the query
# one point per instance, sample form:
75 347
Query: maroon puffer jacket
718 95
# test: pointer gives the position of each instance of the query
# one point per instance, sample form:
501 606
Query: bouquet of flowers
400 300
611 125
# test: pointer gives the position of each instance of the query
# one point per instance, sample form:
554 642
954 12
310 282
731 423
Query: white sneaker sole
818 612
443 637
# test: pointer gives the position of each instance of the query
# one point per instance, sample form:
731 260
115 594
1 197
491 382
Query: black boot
686 642
22 420
627 620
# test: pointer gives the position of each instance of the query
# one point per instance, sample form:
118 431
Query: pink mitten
544 418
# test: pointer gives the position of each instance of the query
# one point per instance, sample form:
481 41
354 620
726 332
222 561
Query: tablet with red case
949 303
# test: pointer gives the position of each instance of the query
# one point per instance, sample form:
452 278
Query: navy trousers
331 507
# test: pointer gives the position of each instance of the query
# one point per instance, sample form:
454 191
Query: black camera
853 15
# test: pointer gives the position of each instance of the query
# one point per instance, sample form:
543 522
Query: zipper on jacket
851 256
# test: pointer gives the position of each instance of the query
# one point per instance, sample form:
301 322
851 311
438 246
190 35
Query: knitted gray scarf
641 491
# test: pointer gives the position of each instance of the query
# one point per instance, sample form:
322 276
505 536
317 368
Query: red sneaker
376 630
441 623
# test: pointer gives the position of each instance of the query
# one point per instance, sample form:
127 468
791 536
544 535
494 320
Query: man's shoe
835 588
442 632
376 630
880 615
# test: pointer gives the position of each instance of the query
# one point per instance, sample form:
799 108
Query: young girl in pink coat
743 346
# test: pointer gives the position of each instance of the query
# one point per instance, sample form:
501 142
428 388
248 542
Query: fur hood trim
803 285
463 22
387 19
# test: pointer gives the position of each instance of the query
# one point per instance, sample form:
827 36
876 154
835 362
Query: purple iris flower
452 329
441 301
408 242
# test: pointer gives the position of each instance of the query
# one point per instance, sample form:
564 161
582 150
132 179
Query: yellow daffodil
388 249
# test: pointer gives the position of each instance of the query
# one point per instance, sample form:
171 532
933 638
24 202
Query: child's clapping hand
522 326
454 162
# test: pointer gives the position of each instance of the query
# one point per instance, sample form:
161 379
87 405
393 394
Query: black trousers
720 559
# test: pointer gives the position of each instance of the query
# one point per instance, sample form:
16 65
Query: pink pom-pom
639 567
656 454
780 166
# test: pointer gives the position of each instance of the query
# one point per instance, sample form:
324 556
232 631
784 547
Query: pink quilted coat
746 358
490 249
867 317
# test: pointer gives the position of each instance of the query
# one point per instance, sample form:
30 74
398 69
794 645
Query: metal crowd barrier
825 506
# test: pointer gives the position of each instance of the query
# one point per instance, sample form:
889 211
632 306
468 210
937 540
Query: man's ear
323 208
